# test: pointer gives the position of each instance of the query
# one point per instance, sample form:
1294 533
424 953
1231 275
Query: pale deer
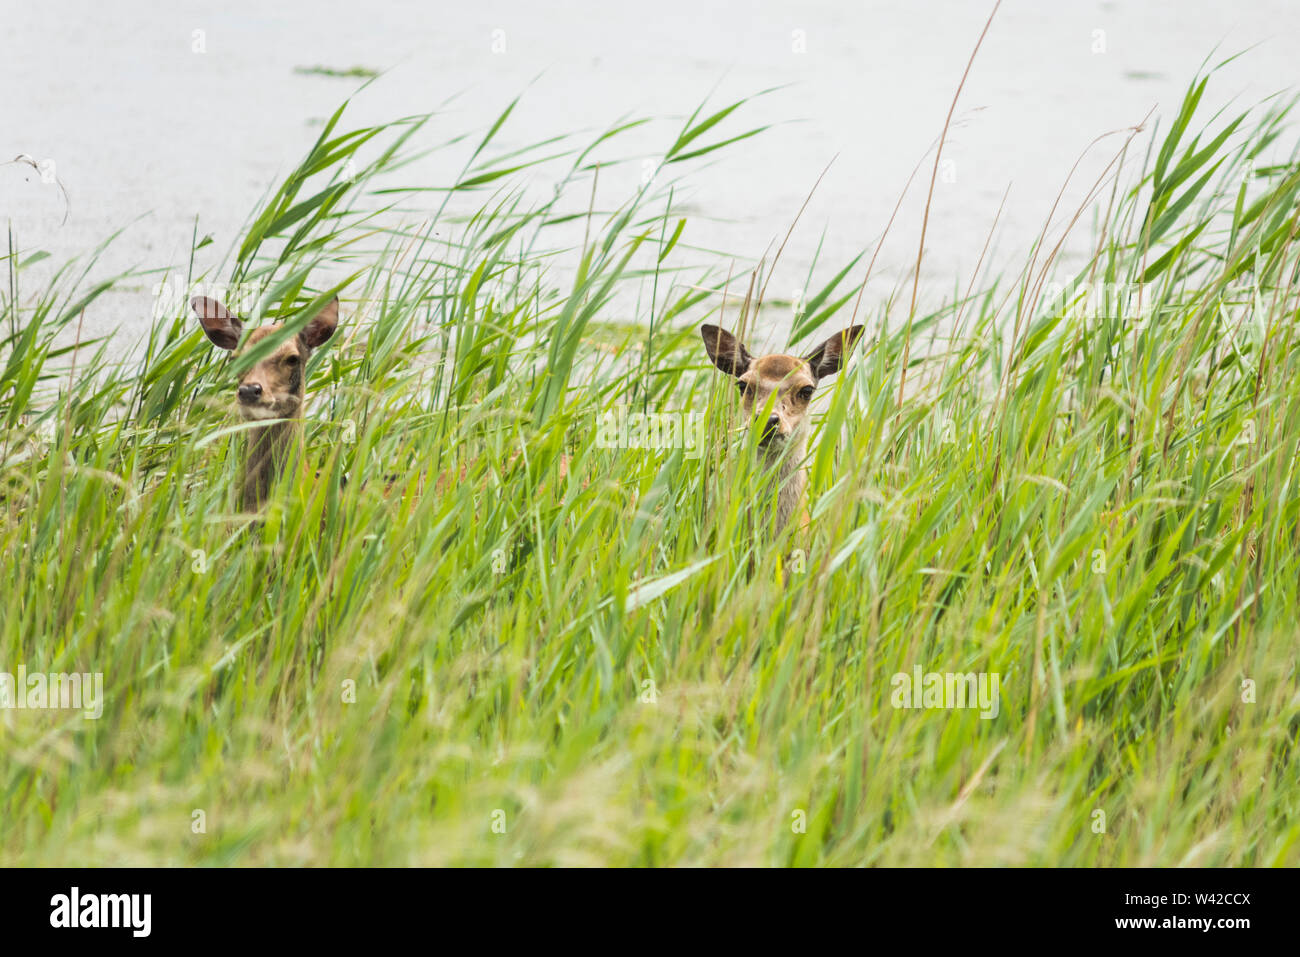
775 394
270 391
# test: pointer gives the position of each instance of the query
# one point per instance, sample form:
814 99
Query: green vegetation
362 72
1094 498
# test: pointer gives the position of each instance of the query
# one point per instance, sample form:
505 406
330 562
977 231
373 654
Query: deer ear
726 351
322 327
221 326
827 358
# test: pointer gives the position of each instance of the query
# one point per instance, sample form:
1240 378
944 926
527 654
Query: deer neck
792 480
268 449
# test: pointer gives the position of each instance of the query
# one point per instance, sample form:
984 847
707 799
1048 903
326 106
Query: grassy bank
1086 485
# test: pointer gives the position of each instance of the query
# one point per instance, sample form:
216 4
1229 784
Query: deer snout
250 392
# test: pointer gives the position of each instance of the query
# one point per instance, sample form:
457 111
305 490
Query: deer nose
250 392
772 427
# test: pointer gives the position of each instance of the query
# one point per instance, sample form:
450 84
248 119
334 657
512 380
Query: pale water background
145 133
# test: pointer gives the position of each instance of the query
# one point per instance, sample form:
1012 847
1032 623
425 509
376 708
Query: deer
775 393
271 391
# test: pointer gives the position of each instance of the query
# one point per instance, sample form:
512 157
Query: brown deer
272 390
775 394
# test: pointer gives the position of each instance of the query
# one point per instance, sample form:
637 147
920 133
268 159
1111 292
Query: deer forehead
779 372
290 347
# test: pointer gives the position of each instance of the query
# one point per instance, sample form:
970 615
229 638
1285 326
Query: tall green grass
1090 496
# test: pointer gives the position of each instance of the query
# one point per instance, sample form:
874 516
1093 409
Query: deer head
776 389
273 388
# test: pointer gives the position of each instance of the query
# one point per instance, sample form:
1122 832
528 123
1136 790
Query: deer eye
745 389
291 359
806 393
